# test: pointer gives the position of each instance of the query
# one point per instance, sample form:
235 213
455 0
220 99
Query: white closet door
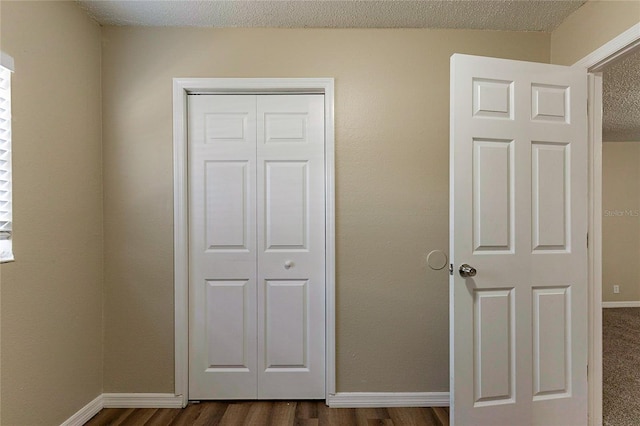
257 247
291 245
222 247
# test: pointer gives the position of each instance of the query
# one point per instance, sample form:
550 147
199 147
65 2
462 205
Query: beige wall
590 27
392 92
52 293
621 220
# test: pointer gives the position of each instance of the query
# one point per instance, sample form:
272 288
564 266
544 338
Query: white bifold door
518 243
256 246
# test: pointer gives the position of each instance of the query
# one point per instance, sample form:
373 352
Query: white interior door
519 218
291 245
222 247
256 246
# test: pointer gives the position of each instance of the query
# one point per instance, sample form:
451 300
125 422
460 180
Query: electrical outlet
616 289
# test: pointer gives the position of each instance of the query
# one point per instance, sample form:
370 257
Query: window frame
6 178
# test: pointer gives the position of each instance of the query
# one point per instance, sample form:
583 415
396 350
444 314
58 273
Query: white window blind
6 249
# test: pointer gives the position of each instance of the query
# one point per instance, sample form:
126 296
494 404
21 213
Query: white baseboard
141 400
388 399
629 304
123 400
85 413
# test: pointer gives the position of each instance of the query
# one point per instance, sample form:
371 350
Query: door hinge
451 269
587 240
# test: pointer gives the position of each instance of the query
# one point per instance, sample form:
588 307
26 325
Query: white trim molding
594 249
182 87
141 400
625 304
85 413
388 399
123 400
7 61
617 48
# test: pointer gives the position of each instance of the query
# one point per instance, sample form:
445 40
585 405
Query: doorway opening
595 62
620 238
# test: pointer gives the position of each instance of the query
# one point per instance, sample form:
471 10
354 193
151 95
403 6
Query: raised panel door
222 247
257 247
291 241
518 211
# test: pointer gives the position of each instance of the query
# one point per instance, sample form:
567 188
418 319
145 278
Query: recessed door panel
492 195
550 194
494 347
227 324
226 127
286 196
286 324
492 98
551 342
285 127
226 192
550 103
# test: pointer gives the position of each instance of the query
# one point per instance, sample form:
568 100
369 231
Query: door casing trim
182 87
594 62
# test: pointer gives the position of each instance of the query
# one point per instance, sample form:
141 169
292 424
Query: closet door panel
222 247
291 245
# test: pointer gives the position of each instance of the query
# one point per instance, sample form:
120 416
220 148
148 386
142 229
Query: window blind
6 216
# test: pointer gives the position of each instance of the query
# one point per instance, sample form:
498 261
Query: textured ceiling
510 15
621 100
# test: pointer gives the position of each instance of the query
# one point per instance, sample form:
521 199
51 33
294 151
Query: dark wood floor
303 413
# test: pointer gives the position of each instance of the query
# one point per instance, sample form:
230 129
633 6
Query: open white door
519 219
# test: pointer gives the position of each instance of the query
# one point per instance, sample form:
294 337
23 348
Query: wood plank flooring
275 413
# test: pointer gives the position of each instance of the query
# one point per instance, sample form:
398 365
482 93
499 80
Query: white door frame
616 48
182 87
